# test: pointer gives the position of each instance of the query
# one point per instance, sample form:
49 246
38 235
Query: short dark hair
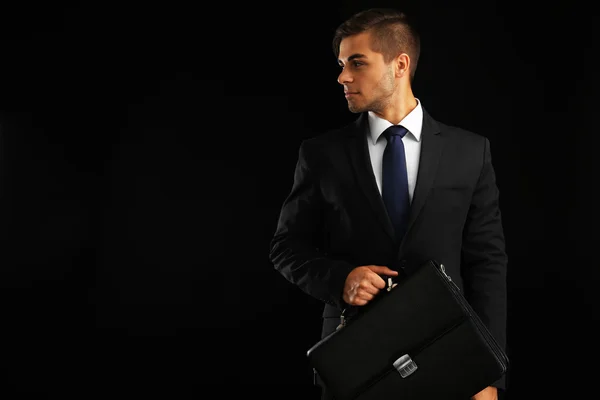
392 31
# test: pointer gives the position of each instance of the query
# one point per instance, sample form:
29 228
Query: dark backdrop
146 151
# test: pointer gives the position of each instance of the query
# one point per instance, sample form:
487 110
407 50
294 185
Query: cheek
370 84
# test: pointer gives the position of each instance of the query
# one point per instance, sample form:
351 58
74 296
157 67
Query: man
340 232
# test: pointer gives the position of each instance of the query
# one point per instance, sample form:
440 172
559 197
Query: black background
146 151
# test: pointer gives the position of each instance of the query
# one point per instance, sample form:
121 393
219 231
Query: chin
355 109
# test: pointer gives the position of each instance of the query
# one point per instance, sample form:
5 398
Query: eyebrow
353 57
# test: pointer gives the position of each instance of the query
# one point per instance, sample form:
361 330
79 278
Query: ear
402 64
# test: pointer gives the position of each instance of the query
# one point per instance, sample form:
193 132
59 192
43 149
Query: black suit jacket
334 219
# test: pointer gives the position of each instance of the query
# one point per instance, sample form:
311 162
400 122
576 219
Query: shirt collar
413 122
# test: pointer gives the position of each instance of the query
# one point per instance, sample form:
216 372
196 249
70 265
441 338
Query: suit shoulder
331 135
465 136
326 141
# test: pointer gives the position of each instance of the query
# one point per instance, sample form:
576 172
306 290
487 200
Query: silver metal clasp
443 269
405 365
342 321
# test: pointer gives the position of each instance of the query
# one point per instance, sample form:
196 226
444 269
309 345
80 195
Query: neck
401 104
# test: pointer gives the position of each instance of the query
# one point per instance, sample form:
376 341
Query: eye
357 63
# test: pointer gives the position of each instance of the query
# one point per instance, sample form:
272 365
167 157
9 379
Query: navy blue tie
394 187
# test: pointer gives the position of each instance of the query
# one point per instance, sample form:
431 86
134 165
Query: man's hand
489 393
364 282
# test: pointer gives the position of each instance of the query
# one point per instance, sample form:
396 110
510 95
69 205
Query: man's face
368 81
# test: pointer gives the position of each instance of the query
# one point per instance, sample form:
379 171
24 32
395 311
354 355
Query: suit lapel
431 150
358 152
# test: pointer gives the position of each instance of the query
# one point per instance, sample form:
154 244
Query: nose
344 77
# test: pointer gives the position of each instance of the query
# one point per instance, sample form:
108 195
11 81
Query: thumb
382 270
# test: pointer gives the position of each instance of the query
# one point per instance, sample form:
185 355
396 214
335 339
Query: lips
348 94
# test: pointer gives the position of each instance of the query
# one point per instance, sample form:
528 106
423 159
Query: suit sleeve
484 259
296 247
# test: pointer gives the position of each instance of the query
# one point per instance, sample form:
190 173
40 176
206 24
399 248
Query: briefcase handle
351 311
344 315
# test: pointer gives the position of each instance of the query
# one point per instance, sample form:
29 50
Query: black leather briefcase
418 340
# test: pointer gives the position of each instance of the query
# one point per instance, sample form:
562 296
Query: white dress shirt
413 122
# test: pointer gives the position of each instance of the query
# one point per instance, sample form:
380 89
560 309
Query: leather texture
426 317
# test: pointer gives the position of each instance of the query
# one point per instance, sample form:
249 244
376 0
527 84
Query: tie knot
395 130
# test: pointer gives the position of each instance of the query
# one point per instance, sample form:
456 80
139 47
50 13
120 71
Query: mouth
350 94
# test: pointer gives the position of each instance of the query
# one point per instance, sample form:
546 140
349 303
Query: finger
382 270
359 302
377 281
346 298
367 287
366 295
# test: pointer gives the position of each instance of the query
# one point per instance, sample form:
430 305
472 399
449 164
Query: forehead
359 43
